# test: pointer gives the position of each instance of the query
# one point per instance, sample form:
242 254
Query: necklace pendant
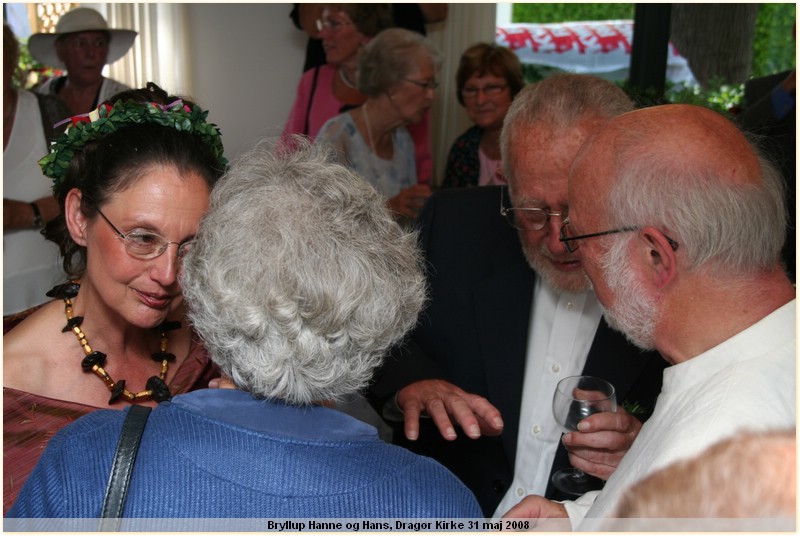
71 323
169 325
117 391
95 358
64 291
159 389
163 356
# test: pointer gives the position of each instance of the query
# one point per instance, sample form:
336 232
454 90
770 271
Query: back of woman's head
485 59
115 160
390 57
300 280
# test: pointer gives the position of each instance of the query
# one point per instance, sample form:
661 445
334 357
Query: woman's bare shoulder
32 347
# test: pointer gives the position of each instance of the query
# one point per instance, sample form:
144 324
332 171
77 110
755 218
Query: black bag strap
311 101
52 111
47 127
122 468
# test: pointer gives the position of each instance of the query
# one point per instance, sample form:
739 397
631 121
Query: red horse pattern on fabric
611 41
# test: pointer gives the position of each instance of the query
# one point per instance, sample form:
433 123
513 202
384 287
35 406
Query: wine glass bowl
575 398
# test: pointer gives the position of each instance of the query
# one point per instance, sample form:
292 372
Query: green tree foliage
721 97
544 13
774 46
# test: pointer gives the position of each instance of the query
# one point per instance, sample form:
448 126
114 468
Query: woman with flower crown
132 179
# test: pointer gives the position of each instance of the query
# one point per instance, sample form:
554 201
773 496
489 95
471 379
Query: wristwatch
37 217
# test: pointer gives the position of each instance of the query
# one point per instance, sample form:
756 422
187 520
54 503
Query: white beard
633 312
560 281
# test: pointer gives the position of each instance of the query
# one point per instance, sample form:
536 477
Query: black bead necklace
156 387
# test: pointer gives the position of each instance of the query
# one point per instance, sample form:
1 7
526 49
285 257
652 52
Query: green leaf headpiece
107 119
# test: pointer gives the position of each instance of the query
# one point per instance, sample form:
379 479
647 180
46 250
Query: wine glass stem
578 475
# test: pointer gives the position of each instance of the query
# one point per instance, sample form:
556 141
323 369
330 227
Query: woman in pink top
328 90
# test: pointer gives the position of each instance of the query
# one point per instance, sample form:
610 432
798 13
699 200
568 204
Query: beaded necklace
156 387
345 80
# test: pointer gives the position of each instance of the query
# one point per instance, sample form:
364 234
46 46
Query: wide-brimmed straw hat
80 19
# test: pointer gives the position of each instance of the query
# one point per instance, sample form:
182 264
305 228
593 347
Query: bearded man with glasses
497 336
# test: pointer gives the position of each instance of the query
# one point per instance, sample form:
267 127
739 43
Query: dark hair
369 19
10 53
485 58
113 163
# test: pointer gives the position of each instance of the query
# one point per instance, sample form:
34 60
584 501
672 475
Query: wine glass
575 398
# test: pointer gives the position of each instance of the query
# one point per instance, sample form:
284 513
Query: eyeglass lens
527 219
145 245
490 91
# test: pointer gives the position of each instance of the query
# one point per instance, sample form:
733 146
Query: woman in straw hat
82 45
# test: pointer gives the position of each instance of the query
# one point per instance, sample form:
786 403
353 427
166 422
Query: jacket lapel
502 306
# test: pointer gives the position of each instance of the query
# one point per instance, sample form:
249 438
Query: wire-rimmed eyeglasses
145 245
331 24
491 90
527 218
570 241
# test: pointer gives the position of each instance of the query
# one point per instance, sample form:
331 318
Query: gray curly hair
300 280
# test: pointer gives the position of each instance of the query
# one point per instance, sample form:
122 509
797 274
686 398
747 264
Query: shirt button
520 492
570 306
536 429
556 368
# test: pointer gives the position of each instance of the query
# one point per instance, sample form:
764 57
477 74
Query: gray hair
390 57
563 101
300 280
738 228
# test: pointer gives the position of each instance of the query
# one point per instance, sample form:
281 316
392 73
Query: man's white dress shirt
562 328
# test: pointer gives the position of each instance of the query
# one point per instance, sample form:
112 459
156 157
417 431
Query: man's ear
76 221
660 258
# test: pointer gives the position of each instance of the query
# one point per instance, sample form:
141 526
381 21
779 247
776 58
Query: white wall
247 60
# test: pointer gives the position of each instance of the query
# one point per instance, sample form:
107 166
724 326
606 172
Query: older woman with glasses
298 283
132 181
397 72
488 78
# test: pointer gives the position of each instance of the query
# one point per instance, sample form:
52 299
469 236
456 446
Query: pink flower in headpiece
187 109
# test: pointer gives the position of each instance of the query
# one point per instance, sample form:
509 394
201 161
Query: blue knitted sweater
219 453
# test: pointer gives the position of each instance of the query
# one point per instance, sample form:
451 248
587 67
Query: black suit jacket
474 334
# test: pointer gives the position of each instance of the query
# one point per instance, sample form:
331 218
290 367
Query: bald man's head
692 173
